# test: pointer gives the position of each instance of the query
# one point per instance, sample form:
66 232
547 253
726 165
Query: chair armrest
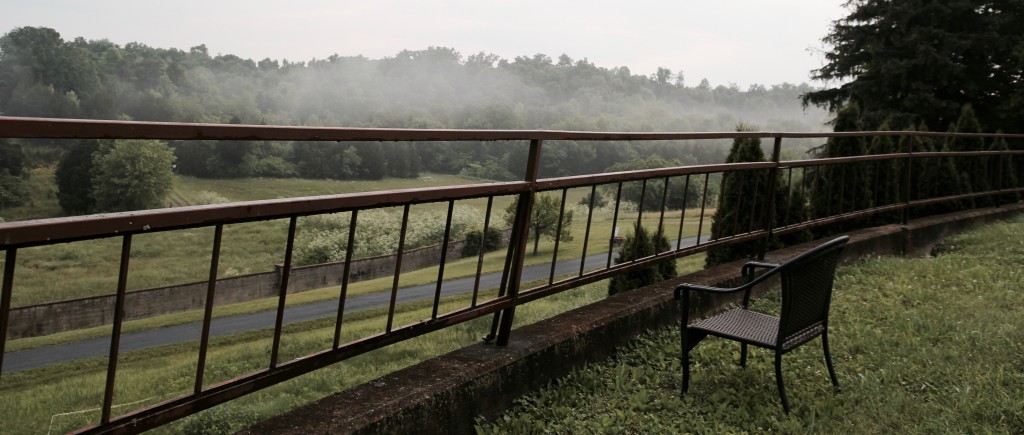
703 288
748 268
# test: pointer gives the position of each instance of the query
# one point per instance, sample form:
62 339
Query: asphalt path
98 347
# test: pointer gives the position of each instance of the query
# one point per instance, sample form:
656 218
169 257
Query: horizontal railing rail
685 223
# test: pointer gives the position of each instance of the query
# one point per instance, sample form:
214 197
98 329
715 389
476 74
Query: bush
323 238
639 245
491 242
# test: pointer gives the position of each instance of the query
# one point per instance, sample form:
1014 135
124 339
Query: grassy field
930 345
64 397
89 268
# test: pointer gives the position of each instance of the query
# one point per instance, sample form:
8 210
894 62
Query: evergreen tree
885 177
973 171
913 61
741 196
844 188
1006 172
639 245
934 177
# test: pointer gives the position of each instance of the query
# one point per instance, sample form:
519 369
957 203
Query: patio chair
806 293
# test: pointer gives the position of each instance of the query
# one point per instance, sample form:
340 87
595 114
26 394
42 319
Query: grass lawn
933 345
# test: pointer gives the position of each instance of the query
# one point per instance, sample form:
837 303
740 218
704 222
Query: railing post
6 289
769 197
908 189
115 334
521 227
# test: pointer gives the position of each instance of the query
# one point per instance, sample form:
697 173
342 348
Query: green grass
28 400
188 189
930 345
89 268
68 394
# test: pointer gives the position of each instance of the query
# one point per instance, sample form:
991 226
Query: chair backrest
807 287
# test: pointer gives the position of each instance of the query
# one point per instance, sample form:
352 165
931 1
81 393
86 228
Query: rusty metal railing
756 223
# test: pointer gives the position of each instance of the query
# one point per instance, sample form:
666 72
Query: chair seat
749 326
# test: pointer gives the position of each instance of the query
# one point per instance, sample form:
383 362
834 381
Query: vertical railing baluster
444 258
819 184
480 254
586 234
789 195
682 214
757 207
283 293
842 190
523 213
6 290
773 175
998 199
661 218
639 218
615 223
211 289
349 247
506 276
739 201
558 237
115 334
804 182
398 268
875 200
703 205
907 190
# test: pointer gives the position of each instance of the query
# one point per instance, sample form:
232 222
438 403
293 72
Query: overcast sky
725 41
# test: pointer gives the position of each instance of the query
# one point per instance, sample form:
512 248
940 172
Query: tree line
42 74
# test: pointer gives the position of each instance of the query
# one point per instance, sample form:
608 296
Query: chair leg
828 362
743 354
685 358
778 380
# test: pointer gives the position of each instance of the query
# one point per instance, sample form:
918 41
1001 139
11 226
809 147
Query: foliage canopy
914 61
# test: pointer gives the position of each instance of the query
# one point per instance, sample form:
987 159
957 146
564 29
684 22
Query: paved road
60 353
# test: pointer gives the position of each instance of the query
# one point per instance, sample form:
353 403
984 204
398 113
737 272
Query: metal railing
756 224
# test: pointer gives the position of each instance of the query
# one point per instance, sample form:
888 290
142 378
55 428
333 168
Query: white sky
725 41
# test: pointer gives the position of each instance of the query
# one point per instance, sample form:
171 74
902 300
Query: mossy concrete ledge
447 394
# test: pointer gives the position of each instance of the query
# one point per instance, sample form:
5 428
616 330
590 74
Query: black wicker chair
806 294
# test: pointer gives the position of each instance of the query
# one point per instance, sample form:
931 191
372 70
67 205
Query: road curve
98 347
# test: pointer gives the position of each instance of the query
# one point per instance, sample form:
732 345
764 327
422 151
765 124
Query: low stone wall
445 395
53 317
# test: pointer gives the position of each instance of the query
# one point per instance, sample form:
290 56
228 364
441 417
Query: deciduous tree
544 220
653 193
132 175
74 178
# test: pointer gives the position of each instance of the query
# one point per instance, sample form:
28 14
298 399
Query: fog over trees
42 74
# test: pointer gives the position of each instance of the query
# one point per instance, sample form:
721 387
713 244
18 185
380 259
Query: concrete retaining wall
445 395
